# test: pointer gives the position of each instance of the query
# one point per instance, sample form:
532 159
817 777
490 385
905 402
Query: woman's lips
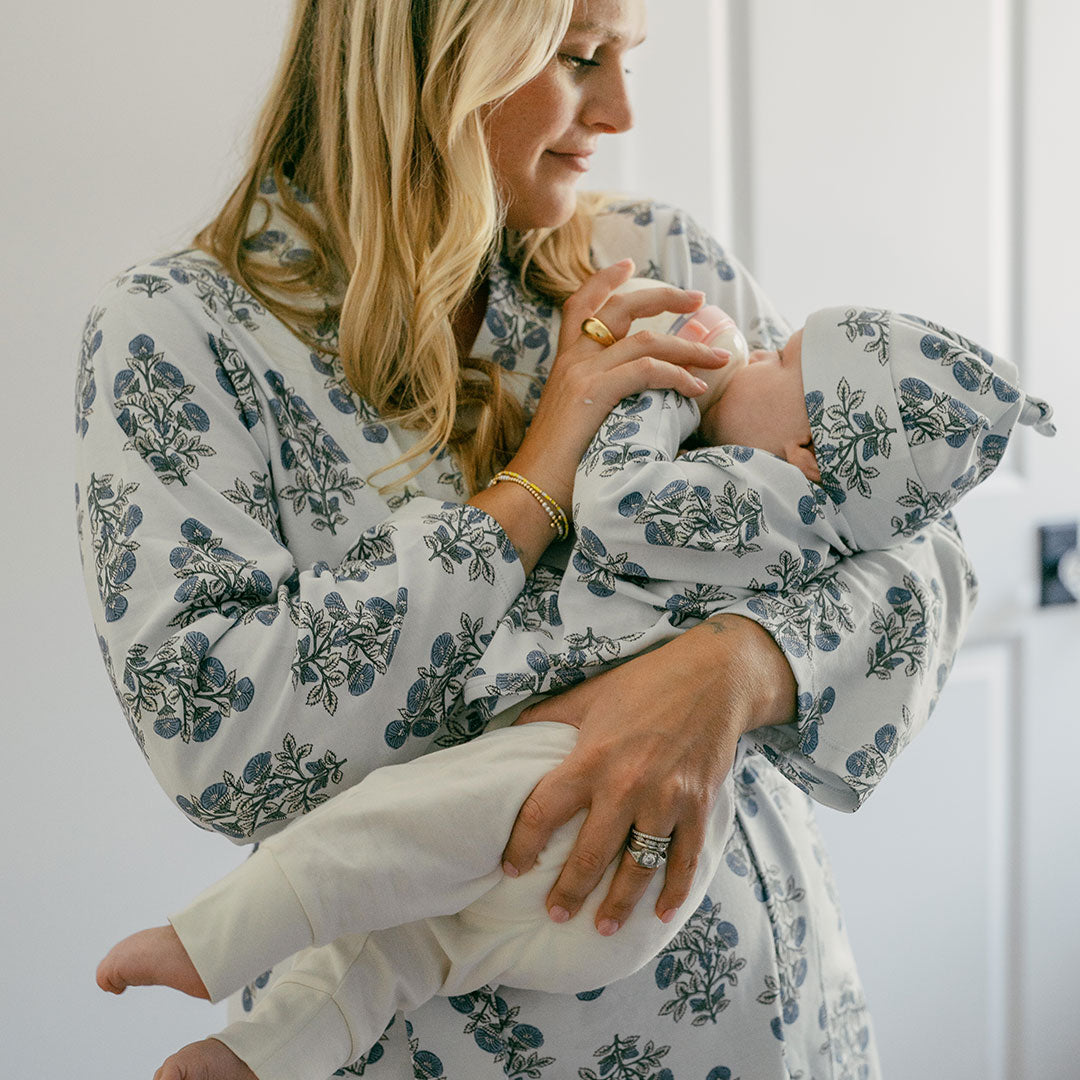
577 162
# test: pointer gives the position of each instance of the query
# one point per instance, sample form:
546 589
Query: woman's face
541 136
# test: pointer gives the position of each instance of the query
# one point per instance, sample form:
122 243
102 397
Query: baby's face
764 407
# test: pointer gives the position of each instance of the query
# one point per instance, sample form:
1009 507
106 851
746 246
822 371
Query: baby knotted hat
906 417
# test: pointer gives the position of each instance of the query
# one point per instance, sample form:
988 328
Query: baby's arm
713 516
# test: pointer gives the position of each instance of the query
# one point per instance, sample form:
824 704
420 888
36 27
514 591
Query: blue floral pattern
699 966
153 408
114 517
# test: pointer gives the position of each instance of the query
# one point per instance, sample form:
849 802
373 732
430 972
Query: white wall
121 131
120 128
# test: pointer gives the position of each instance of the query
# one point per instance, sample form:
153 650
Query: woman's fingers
667 347
648 373
599 297
686 847
590 298
629 884
599 842
553 802
607 388
623 308
596 848
643 361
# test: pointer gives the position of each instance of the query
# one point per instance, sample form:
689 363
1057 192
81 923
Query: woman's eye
578 63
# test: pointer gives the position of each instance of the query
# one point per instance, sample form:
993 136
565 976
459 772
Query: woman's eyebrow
606 33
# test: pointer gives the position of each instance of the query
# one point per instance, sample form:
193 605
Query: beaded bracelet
555 512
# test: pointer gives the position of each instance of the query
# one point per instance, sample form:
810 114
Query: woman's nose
608 108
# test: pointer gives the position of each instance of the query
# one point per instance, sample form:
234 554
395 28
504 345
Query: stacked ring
646 850
597 330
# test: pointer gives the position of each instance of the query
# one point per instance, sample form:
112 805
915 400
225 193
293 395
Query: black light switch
1060 564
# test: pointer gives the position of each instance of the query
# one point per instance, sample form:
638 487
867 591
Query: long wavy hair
373 135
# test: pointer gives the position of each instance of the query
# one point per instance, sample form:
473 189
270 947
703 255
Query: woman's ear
801 455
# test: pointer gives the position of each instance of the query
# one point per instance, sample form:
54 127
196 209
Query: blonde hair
375 116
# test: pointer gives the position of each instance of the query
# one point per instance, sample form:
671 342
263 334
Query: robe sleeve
256 686
871 640
709 523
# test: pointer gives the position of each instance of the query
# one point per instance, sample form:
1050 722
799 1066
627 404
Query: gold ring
594 328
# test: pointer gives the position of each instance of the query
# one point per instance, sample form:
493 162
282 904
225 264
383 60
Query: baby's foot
151 957
206 1060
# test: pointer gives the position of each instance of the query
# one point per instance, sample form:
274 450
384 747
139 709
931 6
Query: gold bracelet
556 514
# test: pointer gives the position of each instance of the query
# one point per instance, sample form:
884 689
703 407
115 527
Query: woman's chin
549 212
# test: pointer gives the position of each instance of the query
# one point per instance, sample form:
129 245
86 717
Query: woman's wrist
754 674
521 516
546 469
557 517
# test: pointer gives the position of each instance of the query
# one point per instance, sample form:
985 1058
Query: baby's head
763 405
896 418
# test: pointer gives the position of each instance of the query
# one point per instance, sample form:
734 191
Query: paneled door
924 156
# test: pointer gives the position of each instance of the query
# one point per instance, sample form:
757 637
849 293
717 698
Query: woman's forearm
735 649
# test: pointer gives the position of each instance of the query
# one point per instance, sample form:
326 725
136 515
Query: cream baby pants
392 892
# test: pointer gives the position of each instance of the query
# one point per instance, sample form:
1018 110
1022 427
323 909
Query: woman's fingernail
607 927
723 354
559 914
701 385
697 294
668 915
509 869
625 262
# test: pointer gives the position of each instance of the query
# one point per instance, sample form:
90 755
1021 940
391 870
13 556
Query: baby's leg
333 1004
409 842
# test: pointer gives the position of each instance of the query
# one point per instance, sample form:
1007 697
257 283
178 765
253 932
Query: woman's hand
587 379
658 738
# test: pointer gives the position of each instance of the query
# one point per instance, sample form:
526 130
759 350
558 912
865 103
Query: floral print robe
275 629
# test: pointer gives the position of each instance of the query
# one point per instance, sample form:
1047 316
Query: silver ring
647 850
638 836
651 860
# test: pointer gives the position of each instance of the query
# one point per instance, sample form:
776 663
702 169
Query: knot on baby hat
906 416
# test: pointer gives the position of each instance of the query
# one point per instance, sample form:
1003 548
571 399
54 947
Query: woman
376 306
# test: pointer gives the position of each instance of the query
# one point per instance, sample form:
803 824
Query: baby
865 427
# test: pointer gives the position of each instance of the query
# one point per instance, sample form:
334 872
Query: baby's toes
110 975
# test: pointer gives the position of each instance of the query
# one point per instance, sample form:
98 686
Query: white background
869 154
